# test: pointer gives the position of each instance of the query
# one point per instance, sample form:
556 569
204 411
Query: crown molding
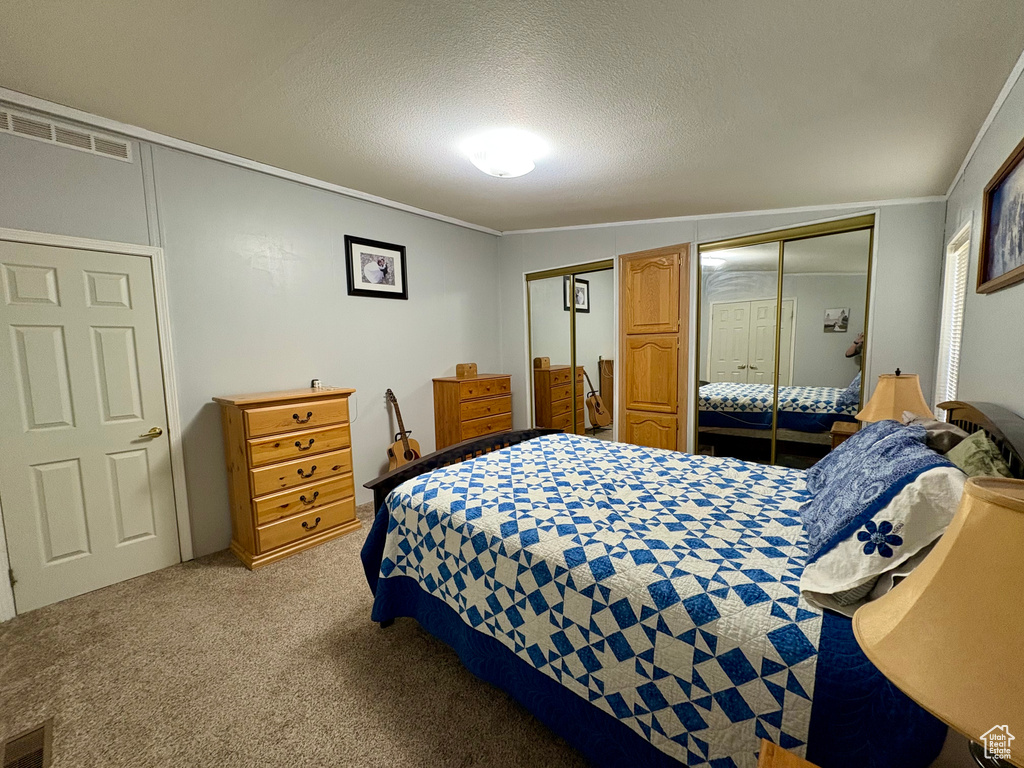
741 214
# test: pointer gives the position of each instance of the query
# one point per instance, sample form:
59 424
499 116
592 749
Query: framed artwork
582 294
1001 261
375 268
837 320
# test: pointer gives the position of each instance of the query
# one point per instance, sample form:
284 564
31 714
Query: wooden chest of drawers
289 458
471 406
552 398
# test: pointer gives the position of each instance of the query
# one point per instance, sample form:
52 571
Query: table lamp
951 634
894 394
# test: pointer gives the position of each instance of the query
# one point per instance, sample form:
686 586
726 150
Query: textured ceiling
653 108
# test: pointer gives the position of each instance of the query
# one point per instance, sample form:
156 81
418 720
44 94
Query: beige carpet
208 664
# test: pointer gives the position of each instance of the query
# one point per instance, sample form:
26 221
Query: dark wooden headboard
1003 426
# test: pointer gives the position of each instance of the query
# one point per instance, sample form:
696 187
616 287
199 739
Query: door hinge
10 575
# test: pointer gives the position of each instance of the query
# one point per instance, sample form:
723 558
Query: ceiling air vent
41 129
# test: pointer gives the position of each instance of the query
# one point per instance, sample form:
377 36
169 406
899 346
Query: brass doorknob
154 432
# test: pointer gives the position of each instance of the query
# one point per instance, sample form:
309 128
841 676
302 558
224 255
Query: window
954 294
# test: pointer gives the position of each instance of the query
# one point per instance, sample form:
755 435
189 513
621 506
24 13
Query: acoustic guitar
599 414
405 448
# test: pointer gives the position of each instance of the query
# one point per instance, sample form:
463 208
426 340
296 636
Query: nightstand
843 430
774 756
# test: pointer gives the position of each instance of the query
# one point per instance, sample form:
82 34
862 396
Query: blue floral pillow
862 486
851 395
822 473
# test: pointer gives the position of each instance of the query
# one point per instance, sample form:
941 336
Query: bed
642 603
726 404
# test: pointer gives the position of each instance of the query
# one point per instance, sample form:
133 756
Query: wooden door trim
170 385
683 371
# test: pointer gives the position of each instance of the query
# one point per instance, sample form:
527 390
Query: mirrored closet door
781 319
572 346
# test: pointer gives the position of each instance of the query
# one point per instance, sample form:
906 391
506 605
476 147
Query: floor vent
30 749
42 129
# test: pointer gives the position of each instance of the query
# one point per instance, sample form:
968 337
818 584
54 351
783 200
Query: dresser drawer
286 418
294 445
564 420
563 391
489 406
279 477
560 377
298 527
484 387
486 426
562 406
304 499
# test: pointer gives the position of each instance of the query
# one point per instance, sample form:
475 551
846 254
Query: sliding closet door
827 278
780 320
736 357
654 291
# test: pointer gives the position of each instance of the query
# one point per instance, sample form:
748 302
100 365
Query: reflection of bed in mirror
806 412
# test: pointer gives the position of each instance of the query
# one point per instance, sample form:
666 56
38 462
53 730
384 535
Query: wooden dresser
470 406
289 457
552 398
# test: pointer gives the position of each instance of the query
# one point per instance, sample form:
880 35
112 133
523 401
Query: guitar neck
401 425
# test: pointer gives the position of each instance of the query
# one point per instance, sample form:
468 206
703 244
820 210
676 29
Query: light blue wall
992 362
257 292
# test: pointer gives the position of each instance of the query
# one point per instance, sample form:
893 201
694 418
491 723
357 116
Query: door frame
170 384
792 330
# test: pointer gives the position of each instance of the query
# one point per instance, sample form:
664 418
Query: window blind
954 296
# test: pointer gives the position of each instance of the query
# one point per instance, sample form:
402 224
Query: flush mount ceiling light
505 152
711 262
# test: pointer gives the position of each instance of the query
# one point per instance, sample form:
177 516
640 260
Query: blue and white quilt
727 396
661 587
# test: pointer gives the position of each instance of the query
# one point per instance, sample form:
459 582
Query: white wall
992 355
257 290
907 272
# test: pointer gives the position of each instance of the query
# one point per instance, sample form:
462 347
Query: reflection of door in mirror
742 341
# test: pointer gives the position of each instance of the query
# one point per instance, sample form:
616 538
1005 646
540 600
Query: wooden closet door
653 311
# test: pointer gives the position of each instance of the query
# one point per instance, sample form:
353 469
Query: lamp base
978 753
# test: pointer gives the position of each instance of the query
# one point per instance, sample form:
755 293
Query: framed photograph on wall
837 320
1001 261
375 268
582 294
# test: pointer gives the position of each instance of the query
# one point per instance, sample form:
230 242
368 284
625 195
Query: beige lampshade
951 635
895 394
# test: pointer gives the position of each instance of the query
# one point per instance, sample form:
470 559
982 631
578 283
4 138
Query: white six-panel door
85 480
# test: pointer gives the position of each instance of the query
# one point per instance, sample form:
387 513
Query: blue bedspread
649 594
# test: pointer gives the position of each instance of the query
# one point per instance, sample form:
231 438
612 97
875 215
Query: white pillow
846 577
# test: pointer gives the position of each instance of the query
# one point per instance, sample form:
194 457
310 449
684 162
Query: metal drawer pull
298 444
308 527
304 500
304 475
309 415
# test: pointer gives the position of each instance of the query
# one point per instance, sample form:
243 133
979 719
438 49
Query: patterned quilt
661 587
757 398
